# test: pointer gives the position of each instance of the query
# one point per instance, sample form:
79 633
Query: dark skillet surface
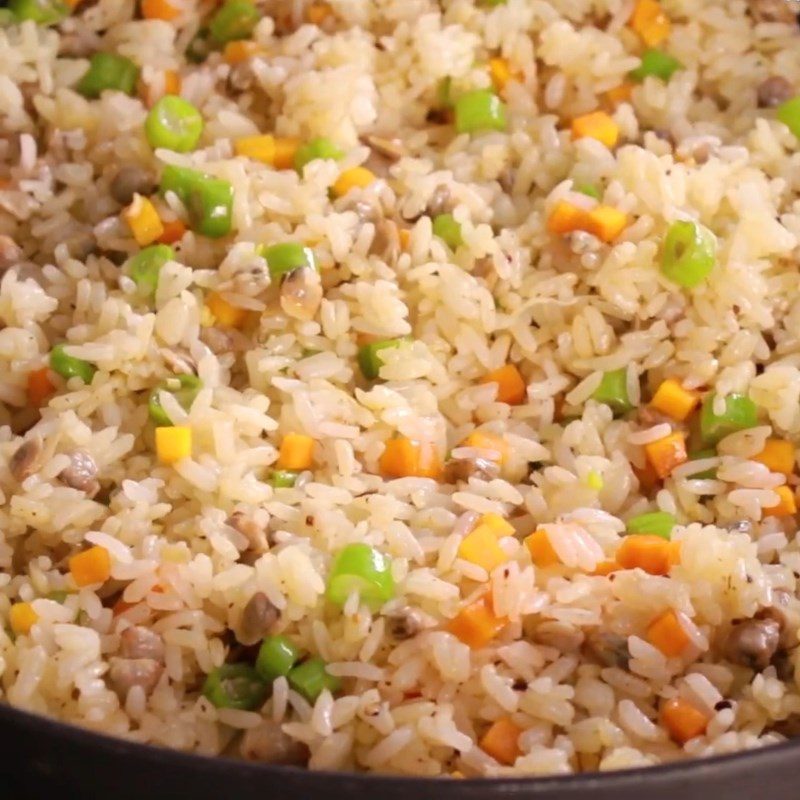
40 757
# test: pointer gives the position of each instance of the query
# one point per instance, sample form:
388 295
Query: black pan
40 757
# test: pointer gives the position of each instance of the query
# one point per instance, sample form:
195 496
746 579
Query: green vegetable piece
282 478
369 359
42 12
690 253
173 123
235 20
57 596
276 656
287 257
365 569
70 367
108 71
316 148
789 114
655 523
740 413
480 110
185 393
145 266
208 200
613 391
656 63
310 678
448 230
588 189
708 474
235 686
7 17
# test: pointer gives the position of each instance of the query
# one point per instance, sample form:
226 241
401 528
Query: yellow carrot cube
667 634
476 624
499 72
777 456
143 220
173 443
597 125
619 94
786 505
481 440
296 452
566 218
501 741
354 178
480 547
650 22
667 453
674 401
92 565
606 222
21 618
542 552
225 314
259 148
497 525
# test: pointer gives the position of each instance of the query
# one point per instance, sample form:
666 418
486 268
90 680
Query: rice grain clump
419 392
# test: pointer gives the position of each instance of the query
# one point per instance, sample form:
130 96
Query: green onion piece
235 686
789 114
57 596
613 391
70 367
42 12
689 253
287 257
588 189
145 266
448 230
656 523
708 474
656 63
369 359
208 200
740 413
310 678
185 393
316 148
235 20
282 478
199 48
108 71
364 568
173 123
479 111
276 656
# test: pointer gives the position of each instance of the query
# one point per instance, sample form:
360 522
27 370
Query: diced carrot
667 453
481 440
606 223
172 82
173 443
566 218
501 741
121 606
667 634
683 720
317 13
476 624
40 387
174 229
91 566
619 94
653 554
353 178
151 92
542 552
296 452
480 547
511 387
240 50
21 618
143 220
499 526
285 150
596 125
159 9
605 568
500 73
648 480
404 458
777 455
224 313
405 238
650 22
786 505
674 401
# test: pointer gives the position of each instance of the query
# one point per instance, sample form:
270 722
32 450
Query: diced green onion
656 63
145 266
362 568
70 367
282 478
57 596
208 200
235 20
108 71
276 656
589 189
42 12
689 253
740 413
316 148
173 123
235 686
656 523
287 257
789 114
613 391
707 474
185 393
310 678
369 359
448 230
480 110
